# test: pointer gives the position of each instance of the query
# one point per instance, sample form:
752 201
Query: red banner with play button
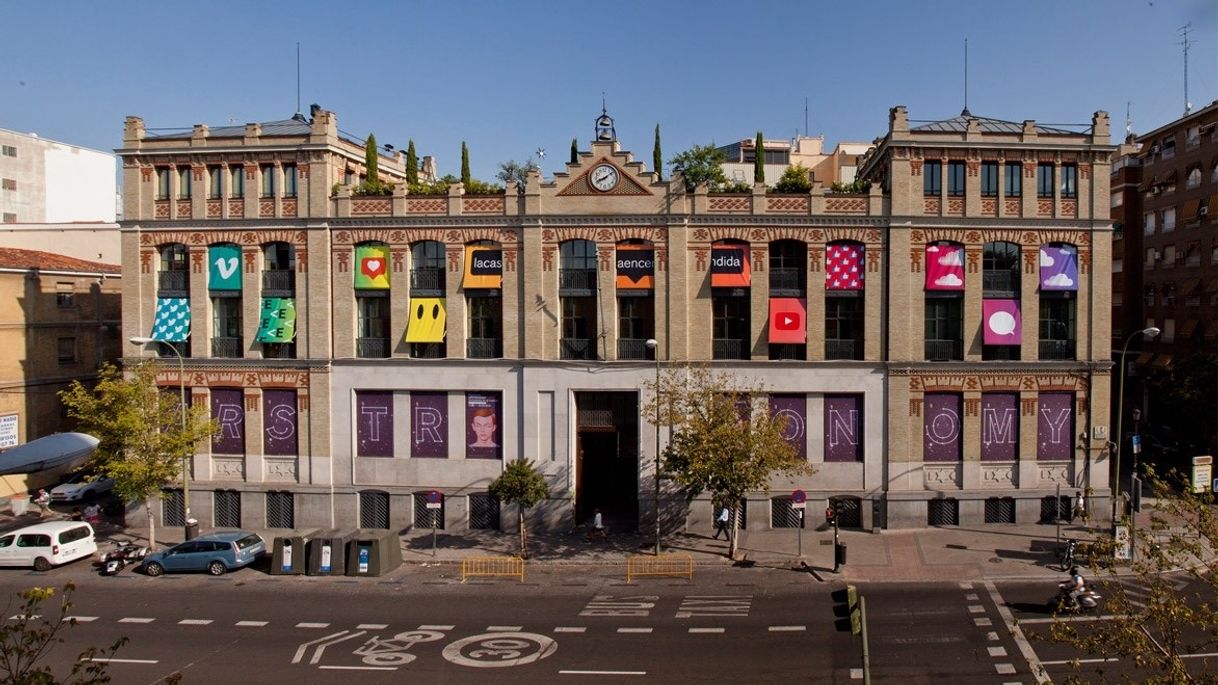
788 320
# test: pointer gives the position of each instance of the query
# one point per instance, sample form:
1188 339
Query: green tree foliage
512 170
412 165
574 151
723 442
657 159
140 429
465 176
520 484
372 184
32 631
794 180
701 164
856 187
759 159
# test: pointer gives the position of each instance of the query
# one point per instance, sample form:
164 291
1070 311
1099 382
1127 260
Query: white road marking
982 622
321 643
715 605
629 605
856 674
997 651
510 629
430 627
360 668
992 636
971 597
634 630
195 622
706 630
1051 619
250 624
570 629
106 660
372 626
1063 662
976 609
134 619
787 629
312 625
82 619
966 586
602 672
1025 648
1004 669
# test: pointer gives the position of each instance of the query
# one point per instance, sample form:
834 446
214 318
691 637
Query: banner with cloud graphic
1058 267
1003 325
945 267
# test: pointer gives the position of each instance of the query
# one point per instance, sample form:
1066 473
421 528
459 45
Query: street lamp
1120 435
143 341
654 346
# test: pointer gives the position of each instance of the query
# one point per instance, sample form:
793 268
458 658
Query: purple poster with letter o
941 421
279 422
843 427
1055 426
999 426
794 410
374 423
429 425
228 409
482 439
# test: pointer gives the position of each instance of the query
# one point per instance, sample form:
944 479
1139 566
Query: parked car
81 485
216 553
45 545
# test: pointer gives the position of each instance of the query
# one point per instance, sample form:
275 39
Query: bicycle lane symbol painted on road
395 650
486 650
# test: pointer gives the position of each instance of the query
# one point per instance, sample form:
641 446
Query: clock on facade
604 177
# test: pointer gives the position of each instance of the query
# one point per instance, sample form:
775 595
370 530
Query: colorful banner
279 422
788 320
483 267
730 267
1001 321
482 438
843 428
277 323
429 425
224 267
999 426
1058 267
794 410
941 421
228 410
371 267
636 267
1055 426
172 320
373 423
945 267
844 266
428 317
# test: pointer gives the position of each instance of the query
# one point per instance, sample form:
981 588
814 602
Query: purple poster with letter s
794 411
374 423
279 422
1055 426
429 425
228 409
843 427
482 439
999 426
942 418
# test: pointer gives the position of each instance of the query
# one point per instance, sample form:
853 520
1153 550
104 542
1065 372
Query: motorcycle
1088 600
117 559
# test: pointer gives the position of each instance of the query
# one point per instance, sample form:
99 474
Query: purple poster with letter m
942 422
373 423
999 426
429 425
1055 426
279 422
843 427
228 409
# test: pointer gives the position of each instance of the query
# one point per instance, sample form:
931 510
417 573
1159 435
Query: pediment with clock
602 175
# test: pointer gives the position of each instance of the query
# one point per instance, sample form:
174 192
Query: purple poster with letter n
1055 426
999 426
793 409
482 438
279 422
374 423
429 425
228 409
941 422
843 428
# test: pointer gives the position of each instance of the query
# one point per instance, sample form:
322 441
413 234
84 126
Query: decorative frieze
280 469
1003 475
940 476
228 468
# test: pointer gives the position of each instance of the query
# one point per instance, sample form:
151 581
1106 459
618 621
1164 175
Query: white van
48 544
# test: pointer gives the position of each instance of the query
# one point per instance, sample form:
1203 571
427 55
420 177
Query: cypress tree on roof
657 159
412 164
574 151
372 161
759 160
465 177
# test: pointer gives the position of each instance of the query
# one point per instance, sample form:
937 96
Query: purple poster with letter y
1055 426
429 425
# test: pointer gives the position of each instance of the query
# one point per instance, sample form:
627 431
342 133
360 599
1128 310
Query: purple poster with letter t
373 423
843 427
429 425
279 422
1055 426
941 421
228 409
794 410
999 426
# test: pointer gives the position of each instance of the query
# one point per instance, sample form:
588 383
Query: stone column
200 302
400 297
759 300
816 295
255 468
973 295
342 268
873 303
606 297
1029 303
251 300
454 300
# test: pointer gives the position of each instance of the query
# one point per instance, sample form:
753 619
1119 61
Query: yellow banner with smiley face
428 317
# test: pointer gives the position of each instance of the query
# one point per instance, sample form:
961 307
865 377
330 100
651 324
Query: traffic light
830 515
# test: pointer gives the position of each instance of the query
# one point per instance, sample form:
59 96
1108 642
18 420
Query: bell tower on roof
605 133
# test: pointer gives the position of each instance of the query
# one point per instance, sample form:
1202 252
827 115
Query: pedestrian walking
1080 507
92 513
721 521
598 527
43 500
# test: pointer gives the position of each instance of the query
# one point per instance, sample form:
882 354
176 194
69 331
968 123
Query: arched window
577 266
788 268
1000 262
1194 177
427 268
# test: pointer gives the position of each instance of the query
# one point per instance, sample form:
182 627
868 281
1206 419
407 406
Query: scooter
117 559
1088 600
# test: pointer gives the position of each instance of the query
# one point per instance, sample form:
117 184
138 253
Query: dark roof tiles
14 258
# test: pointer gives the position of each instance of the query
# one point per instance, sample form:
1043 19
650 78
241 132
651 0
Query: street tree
701 164
1158 625
657 159
34 629
142 437
724 440
759 159
465 175
412 165
522 485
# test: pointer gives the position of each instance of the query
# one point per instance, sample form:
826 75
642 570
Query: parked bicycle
1067 553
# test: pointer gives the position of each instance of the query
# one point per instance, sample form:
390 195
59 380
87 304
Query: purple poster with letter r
942 421
843 427
429 425
1055 426
374 423
228 409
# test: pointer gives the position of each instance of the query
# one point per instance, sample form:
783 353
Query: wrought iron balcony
278 281
577 280
279 350
372 348
843 349
483 348
1056 350
170 283
427 280
1001 282
728 348
633 348
787 280
944 350
788 352
428 350
229 348
577 348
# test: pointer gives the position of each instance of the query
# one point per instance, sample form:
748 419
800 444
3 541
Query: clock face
604 177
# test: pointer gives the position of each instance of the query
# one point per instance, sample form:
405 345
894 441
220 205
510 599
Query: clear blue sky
510 77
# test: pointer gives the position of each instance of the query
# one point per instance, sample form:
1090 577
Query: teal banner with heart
224 267
172 322
278 321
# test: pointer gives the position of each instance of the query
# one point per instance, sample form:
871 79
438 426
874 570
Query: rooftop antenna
1128 120
964 112
805 115
1185 43
298 77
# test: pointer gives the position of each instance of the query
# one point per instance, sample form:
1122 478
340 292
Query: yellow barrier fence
509 567
675 565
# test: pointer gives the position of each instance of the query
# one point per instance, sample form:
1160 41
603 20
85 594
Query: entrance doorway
607 457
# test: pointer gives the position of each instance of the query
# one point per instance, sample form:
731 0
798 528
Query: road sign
434 499
1137 444
799 499
1203 473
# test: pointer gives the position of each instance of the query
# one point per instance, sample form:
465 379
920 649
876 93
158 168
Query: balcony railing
1056 349
372 348
483 348
787 279
788 352
427 279
633 348
843 349
1001 281
276 281
580 280
944 350
577 348
226 347
727 348
173 282
279 350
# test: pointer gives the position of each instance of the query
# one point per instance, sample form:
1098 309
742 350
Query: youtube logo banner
788 320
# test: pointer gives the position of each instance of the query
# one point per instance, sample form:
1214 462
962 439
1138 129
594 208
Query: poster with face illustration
482 437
